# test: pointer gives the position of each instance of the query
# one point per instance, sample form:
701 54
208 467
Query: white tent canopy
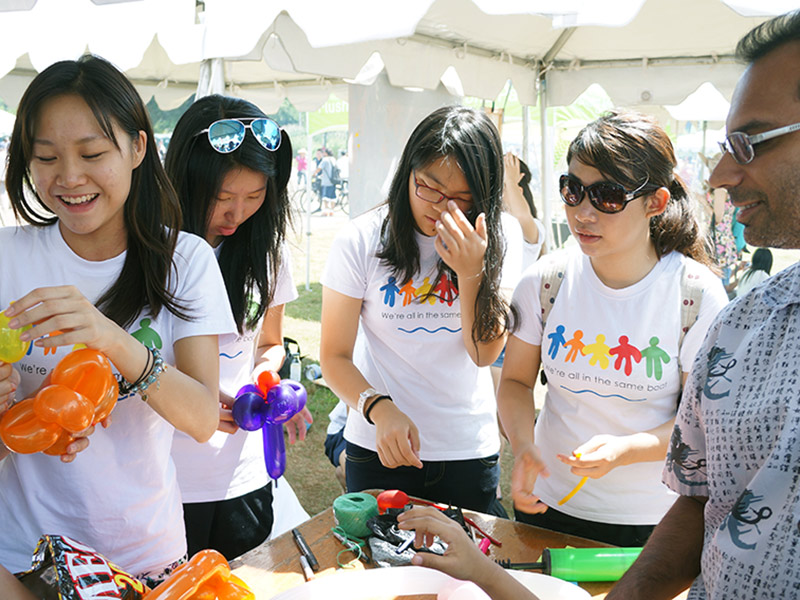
640 51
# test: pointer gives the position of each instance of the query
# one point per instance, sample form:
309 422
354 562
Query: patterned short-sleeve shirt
737 441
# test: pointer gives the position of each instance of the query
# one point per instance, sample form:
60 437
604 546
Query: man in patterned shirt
735 453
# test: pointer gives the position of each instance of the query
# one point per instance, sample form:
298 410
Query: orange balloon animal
82 391
206 576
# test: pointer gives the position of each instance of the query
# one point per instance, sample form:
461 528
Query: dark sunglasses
226 135
740 145
605 196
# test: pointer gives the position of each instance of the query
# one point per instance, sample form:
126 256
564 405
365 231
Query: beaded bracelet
126 386
152 376
372 405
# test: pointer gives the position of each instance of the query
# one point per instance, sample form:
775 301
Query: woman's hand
396 436
226 422
296 426
66 317
462 559
527 467
9 382
598 456
461 245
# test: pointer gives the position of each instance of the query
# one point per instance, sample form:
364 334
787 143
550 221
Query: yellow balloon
11 347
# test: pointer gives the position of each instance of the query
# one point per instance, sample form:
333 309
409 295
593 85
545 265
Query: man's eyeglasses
605 196
432 195
740 145
226 135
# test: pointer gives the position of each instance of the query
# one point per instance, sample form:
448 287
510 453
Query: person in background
103 263
237 200
327 192
421 275
758 272
302 167
607 322
518 201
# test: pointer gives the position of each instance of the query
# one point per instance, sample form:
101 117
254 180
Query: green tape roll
351 512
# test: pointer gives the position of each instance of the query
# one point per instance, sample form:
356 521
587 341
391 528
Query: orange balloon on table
82 392
206 576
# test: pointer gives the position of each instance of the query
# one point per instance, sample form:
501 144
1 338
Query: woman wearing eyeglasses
420 275
230 165
102 263
616 343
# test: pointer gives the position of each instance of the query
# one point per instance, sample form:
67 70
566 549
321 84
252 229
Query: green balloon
11 347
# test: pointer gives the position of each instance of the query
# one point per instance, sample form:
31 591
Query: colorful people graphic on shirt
599 351
557 339
445 289
390 291
424 292
408 292
625 352
147 336
654 356
575 346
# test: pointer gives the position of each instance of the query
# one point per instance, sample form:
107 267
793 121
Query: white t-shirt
592 388
229 466
531 252
513 259
748 282
413 349
119 496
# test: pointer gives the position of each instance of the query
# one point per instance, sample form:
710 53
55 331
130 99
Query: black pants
231 527
626 536
465 483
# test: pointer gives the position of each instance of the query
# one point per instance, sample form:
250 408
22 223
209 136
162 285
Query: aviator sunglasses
605 196
226 135
740 145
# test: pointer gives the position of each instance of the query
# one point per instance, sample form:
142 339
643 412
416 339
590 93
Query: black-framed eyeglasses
434 196
226 135
740 145
606 196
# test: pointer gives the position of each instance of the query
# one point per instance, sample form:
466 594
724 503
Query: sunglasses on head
605 196
226 135
740 145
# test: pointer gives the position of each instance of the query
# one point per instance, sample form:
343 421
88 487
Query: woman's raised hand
66 318
461 245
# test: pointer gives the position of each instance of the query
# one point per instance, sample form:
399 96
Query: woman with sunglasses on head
420 275
230 165
102 263
615 325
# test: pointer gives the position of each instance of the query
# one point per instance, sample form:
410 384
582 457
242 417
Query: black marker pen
306 551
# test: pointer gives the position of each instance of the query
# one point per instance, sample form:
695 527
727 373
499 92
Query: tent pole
544 172
525 134
307 183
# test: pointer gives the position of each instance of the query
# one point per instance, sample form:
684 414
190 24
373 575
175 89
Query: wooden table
275 566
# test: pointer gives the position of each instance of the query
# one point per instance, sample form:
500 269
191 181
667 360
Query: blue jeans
465 483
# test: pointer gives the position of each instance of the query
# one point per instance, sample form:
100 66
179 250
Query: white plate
371 583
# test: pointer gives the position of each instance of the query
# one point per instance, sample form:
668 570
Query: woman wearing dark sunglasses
230 165
621 328
102 262
420 275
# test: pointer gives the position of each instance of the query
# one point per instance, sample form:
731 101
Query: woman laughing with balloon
102 263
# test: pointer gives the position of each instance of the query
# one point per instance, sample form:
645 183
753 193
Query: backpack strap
554 266
691 298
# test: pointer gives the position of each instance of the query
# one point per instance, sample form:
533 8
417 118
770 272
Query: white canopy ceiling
640 51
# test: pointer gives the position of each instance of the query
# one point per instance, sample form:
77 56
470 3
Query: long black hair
631 149
152 214
471 139
250 259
